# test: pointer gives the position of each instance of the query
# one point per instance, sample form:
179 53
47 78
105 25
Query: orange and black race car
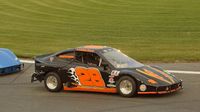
101 69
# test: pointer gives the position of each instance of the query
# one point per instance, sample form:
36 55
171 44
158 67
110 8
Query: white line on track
27 61
184 72
171 71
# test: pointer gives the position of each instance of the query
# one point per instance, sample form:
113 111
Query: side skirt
91 89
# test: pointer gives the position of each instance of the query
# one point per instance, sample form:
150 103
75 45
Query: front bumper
162 89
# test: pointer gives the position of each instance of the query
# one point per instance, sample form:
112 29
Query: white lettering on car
111 80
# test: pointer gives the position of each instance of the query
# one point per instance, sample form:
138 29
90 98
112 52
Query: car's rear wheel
53 82
126 86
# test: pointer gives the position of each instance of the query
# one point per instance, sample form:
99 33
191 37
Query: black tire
132 92
59 84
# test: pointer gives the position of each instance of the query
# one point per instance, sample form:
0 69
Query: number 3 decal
89 77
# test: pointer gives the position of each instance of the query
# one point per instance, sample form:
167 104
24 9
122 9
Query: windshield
120 60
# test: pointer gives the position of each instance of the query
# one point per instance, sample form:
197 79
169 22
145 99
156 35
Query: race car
101 69
9 63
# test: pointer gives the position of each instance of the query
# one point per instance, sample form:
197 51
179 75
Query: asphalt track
17 94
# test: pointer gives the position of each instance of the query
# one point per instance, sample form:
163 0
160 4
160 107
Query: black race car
101 69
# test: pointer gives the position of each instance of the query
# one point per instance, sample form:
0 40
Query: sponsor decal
73 76
111 80
87 76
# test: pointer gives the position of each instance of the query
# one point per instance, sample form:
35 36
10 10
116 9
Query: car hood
7 58
160 76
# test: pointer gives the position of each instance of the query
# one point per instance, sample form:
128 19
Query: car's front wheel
126 86
53 82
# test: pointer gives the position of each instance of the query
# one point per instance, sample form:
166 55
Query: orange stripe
91 89
84 50
66 56
163 73
161 92
173 90
147 92
151 74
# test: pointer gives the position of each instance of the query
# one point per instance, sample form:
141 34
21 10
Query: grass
147 30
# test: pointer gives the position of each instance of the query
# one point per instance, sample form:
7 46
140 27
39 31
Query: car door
88 70
105 70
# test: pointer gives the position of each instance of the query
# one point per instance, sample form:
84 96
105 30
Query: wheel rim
52 82
126 87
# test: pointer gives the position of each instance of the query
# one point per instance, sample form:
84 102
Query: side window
104 65
79 56
88 58
66 55
91 59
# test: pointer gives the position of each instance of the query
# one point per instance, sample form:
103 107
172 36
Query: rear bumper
163 89
11 69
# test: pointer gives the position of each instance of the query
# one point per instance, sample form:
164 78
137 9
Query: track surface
17 94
